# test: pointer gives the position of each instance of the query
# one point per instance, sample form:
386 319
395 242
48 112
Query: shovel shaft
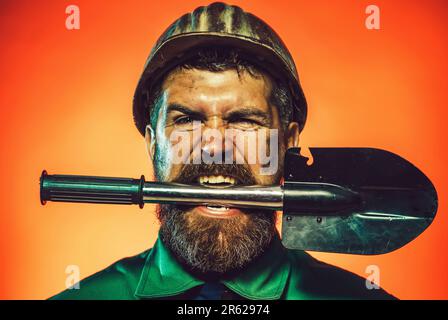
301 198
263 197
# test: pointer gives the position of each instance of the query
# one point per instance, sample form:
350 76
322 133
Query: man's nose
214 137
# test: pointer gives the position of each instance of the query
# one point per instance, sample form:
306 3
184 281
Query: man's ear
292 135
150 140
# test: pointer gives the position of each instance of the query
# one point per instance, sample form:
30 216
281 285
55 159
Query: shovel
350 200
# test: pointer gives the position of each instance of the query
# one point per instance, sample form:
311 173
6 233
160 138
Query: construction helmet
218 24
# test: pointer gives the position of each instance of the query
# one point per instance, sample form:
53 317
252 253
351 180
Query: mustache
241 172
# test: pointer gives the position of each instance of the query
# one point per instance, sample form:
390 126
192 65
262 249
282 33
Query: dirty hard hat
220 25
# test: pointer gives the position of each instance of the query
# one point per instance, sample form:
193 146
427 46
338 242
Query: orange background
66 107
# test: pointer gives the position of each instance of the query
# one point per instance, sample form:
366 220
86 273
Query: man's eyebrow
247 112
185 110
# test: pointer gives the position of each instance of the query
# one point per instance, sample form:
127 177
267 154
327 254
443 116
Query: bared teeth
216 179
218 208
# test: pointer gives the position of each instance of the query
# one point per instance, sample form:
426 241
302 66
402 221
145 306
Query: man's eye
243 122
248 121
183 120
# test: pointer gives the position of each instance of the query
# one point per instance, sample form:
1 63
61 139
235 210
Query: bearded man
219 68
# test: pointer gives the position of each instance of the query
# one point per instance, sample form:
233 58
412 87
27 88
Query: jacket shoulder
314 279
118 281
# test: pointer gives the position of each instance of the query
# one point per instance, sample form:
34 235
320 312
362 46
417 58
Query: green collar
264 278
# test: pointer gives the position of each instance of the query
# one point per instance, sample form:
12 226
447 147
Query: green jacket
278 274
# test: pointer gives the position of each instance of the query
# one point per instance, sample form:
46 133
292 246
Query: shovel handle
87 189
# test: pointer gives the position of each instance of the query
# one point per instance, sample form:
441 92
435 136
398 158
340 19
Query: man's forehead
203 87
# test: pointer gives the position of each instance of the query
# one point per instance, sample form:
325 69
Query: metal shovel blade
398 202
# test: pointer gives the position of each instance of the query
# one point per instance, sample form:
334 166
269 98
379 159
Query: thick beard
215 246
212 245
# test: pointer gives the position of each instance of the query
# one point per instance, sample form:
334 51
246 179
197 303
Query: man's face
206 113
